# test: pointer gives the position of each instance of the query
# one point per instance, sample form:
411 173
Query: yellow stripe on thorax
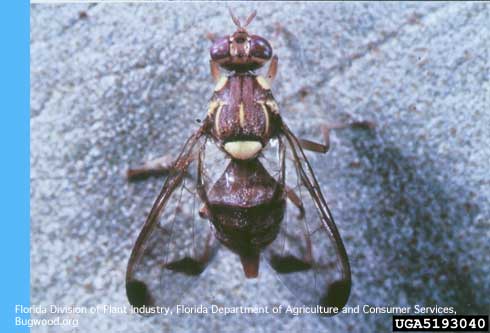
216 117
266 115
241 114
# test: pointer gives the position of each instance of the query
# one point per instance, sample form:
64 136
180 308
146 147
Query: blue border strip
14 166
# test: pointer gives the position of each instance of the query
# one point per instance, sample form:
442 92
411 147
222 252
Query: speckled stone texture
116 84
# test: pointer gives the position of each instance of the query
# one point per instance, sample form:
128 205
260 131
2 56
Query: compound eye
220 48
260 47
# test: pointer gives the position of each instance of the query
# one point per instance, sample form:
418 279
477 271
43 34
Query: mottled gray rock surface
125 83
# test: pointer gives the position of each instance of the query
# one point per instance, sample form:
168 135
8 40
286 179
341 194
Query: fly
263 201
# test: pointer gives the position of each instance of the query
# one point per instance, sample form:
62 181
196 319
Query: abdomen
247 206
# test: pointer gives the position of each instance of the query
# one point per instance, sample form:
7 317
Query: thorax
244 114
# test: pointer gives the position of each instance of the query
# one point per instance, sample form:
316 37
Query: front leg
215 72
272 72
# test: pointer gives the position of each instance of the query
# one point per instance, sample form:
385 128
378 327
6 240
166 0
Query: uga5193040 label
473 323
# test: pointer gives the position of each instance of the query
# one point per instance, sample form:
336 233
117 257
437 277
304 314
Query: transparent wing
175 244
308 254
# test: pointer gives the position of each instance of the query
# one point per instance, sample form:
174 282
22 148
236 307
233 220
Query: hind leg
157 167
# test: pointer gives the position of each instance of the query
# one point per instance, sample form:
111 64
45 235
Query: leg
215 72
272 72
323 148
211 36
318 147
296 201
156 167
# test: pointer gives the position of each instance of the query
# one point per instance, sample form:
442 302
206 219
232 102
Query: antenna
250 18
237 21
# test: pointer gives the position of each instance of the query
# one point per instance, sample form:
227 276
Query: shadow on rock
418 229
